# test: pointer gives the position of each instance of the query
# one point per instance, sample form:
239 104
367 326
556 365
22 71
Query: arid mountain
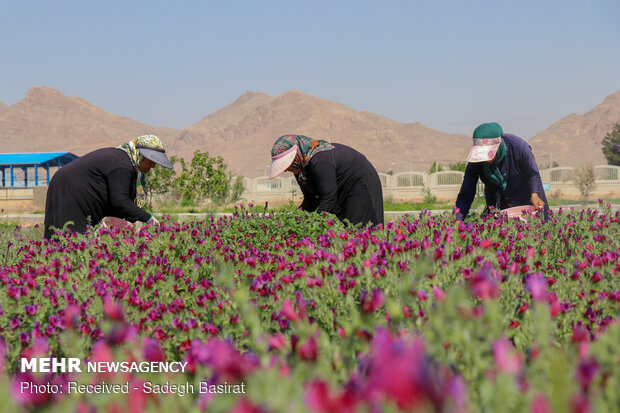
47 120
576 139
244 132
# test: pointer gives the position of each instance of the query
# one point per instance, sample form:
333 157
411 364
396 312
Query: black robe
99 184
343 182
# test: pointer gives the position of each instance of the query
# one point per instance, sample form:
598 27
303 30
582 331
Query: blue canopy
16 162
36 158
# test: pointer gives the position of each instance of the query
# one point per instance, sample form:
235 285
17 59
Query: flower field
298 313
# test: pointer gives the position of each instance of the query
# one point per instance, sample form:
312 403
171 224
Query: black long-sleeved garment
343 182
99 184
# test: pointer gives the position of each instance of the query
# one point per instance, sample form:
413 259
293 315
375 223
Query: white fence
403 187
445 185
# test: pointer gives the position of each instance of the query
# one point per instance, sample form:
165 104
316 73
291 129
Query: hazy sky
447 64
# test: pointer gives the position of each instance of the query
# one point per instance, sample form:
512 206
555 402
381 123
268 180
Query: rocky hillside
244 131
575 140
47 120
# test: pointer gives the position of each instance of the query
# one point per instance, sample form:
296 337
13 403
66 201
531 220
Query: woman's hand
537 202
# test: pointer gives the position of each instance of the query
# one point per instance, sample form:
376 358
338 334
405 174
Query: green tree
233 191
458 166
161 180
204 178
611 145
435 167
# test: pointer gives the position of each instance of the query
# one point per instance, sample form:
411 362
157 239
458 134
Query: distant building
27 170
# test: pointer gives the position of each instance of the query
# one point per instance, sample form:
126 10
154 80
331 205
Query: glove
152 220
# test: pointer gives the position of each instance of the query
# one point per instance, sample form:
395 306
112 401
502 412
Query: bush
585 180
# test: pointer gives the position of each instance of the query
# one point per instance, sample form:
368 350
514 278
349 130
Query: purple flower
536 284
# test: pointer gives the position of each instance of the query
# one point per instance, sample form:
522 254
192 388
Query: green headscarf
491 175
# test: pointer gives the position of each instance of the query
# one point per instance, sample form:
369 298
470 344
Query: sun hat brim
156 155
282 161
482 153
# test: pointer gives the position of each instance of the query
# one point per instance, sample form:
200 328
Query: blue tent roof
36 158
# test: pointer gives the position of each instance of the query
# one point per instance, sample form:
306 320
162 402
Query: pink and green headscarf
306 149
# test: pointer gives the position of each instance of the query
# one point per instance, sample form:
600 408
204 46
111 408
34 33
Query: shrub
585 180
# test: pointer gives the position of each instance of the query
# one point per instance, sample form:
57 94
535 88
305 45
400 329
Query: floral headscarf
149 141
306 149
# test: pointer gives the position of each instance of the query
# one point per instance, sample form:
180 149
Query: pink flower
319 399
245 406
536 284
483 285
540 404
555 309
506 358
277 341
112 309
288 311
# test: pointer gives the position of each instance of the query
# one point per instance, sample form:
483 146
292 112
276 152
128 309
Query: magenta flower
223 358
15 322
151 350
399 370
370 303
309 350
31 309
24 338
586 370
484 285
580 404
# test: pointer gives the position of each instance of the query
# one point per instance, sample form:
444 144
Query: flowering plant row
427 314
